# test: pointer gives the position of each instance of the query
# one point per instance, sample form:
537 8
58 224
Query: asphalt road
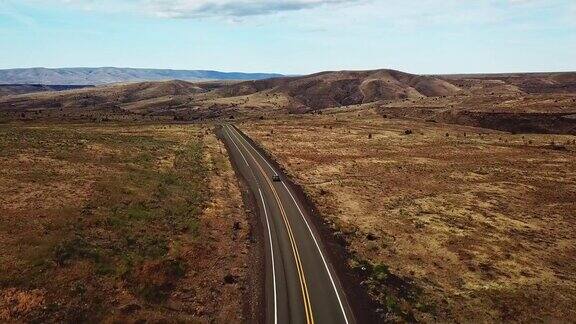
301 285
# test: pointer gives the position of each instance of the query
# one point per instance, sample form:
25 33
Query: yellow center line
294 246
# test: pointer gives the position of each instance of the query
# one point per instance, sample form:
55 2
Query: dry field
119 223
449 223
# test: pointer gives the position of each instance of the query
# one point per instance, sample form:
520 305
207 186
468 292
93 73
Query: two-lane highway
301 285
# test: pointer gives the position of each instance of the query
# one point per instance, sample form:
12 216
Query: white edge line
269 231
245 161
272 254
321 254
271 168
311 233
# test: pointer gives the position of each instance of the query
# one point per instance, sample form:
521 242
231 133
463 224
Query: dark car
276 178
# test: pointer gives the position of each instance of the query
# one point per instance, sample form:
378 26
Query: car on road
276 178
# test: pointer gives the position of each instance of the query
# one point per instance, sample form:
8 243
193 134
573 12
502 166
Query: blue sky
292 36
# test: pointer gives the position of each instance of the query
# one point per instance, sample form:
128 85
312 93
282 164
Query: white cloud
198 8
390 12
229 8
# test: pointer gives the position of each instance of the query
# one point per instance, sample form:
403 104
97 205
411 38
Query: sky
292 36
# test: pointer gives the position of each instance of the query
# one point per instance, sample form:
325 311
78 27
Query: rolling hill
343 88
117 98
543 103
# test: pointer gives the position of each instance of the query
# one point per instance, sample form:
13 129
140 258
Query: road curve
301 285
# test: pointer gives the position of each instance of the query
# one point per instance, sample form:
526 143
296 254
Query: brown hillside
343 88
115 99
529 102
530 83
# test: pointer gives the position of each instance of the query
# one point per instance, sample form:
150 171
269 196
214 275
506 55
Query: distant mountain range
104 75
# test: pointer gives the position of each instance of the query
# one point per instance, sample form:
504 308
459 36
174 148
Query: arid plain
448 223
452 197
118 223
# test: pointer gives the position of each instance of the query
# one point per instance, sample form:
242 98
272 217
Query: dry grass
118 223
452 223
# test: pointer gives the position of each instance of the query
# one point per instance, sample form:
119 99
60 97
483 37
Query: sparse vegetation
452 223
100 223
447 228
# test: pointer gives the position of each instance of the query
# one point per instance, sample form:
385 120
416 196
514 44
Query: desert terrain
447 223
120 223
452 195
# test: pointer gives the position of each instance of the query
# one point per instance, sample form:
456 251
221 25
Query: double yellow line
293 244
